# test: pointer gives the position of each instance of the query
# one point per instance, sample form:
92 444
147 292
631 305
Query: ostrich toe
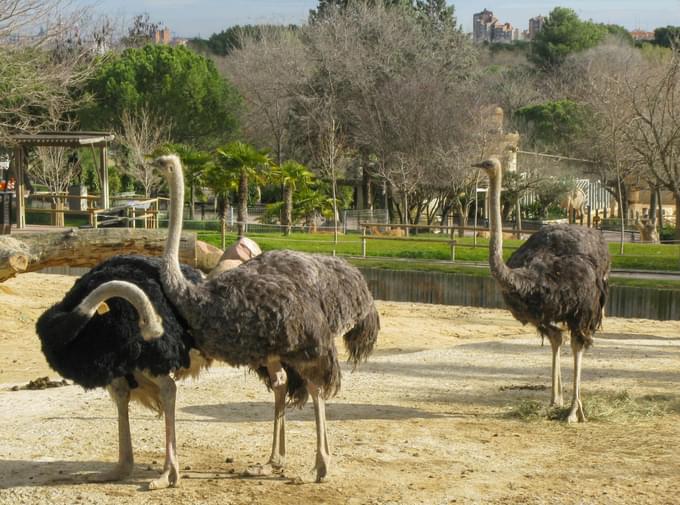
321 467
268 468
576 413
169 478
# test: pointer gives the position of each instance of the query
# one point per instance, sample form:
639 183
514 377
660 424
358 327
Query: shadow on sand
239 412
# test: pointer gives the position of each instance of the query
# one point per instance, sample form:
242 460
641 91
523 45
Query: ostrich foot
321 467
169 478
576 413
557 402
120 472
270 467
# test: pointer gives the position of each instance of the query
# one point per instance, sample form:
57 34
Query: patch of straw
600 406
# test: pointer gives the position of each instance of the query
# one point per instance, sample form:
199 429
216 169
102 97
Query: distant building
162 36
487 28
535 26
502 32
482 26
642 35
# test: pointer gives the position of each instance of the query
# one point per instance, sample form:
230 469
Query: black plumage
109 351
94 352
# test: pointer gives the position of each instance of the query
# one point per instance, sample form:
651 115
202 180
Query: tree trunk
404 215
288 208
192 199
30 252
334 190
677 216
461 217
366 189
242 204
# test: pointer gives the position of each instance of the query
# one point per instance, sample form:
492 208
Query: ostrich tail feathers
297 389
360 340
603 287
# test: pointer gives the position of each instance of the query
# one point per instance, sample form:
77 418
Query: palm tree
246 162
223 183
291 175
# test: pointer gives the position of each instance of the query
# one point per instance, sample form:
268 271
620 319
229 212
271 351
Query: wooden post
453 250
19 186
134 217
363 245
104 177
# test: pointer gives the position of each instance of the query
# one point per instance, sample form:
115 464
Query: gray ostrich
278 314
558 276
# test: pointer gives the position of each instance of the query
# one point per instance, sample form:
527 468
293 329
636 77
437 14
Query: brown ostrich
277 314
558 276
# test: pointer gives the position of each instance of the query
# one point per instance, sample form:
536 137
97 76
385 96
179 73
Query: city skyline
190 18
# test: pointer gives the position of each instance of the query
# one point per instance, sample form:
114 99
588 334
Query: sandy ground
423 422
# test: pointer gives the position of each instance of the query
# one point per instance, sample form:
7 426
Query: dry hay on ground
450 409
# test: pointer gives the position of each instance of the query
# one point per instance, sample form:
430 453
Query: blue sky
193 17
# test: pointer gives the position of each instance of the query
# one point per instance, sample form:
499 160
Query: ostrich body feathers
560 275
286 304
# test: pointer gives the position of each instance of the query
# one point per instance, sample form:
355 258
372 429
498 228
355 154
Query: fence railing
144 209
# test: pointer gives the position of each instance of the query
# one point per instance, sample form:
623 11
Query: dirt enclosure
447 410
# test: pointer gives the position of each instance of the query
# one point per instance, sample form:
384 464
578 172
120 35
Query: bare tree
654 94
602 86
141 134
269 71
43 60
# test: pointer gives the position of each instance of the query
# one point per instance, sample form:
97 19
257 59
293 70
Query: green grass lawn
636 256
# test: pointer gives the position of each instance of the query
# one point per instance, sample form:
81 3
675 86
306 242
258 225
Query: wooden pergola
94 140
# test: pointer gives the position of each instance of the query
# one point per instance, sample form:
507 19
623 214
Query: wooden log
29 252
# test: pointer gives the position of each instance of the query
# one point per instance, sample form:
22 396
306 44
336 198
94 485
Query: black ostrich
277 314
558 276
107 349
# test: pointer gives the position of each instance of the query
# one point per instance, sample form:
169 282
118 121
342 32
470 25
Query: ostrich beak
153 329
478 165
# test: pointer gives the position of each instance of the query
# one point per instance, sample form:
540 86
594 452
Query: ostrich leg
277 460
556 395
120 393
323 457
170 475
576 413
554 335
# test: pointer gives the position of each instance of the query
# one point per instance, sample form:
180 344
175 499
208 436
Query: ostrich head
491 166
168 165
151 327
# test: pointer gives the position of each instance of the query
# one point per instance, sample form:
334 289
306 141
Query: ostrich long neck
499 269
119 289
174 282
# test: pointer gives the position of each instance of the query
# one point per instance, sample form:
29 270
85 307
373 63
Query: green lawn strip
389 264
637 256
